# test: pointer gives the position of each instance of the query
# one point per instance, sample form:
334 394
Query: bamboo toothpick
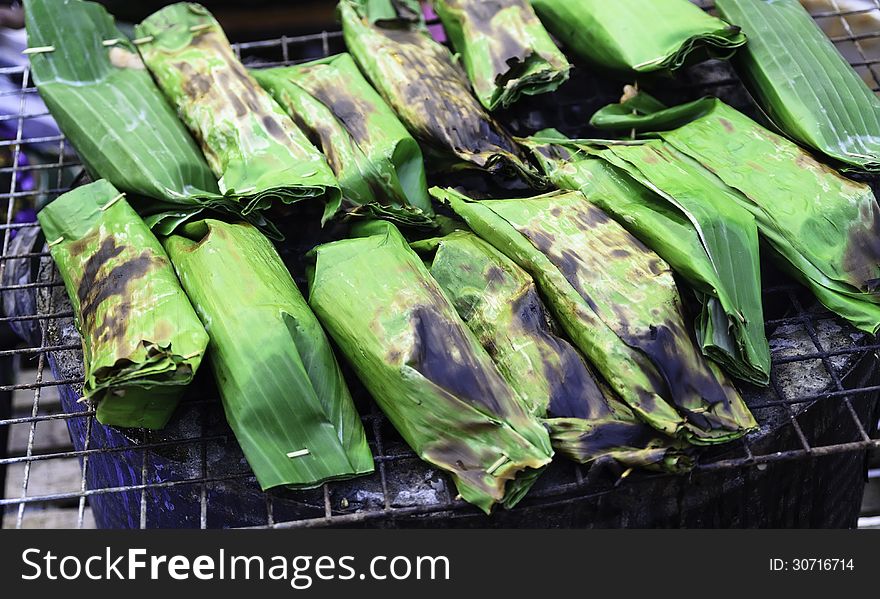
38 50
111 202
298 454
56 242
112 42
143 40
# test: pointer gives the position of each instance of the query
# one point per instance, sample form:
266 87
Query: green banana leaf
803 84
505 49
500 304
618 303
282 390
639 36
142 341
254 148
377 162
108 106
423 366
686 215
823 227
420 80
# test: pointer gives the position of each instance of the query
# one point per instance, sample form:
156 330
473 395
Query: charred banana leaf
425 368
429 92
686 215
282 390
618 303
254 148
803 84
824 228
377 162
505 49
142 341
108 106
639 36
500 303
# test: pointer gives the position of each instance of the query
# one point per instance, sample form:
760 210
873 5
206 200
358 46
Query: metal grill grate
822 401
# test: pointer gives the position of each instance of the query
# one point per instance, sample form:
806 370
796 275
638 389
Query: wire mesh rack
818 417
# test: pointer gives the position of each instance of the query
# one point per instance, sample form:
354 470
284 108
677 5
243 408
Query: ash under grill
804 467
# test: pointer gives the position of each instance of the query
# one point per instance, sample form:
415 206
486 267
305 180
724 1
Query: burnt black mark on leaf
862 257
444 355
605 437
574 392
232 84
97 286
728 126
683 379
351 111
195 84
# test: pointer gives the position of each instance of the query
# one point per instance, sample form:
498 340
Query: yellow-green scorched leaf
824 227
430 93
425 368
282 390
803 83
505 49
687 215
377 162
500 303
639 35
618 303
142 341
254 148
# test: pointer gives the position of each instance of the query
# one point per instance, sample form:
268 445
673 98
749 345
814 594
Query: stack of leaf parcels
618 303
431 94
142 341
686 215
500 303
824 227
108 106
283 392
425 368
252 145
377 162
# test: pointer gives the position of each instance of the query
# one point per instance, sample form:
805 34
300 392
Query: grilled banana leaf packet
803 84
500 303
823 227
142 341
377 162
617 301
505 49
639 36
259 155
109 108
431 94
425 368
688 217
282 389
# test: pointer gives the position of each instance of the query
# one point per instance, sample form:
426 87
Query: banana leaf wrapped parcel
142 340
617 301
109 108
282 389
254 148
377 162
803 83
824 228
505 49
637 35
686 215
430 93
500 303
425 368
